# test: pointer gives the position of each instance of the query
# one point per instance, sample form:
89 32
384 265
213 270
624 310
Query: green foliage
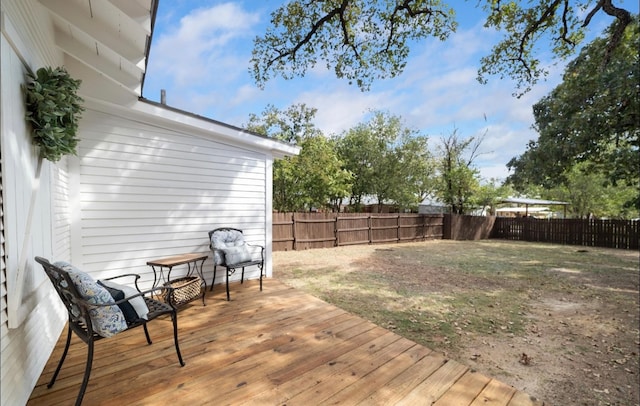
361 40
457 179
515 56
53 109
365 40
388 161
291 125
313 179
590 193
489 194
361 153
416 166
322 177
592 117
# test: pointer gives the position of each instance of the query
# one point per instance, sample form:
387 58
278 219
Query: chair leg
214 278
146 333
87 373
228 297
174 319
64 355
261 266
242 276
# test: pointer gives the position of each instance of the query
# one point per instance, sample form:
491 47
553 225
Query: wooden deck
276 347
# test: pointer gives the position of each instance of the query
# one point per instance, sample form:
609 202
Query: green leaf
53 110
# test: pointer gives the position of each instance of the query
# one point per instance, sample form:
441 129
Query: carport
535 202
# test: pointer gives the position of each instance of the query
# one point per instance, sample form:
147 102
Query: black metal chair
232 252
81 310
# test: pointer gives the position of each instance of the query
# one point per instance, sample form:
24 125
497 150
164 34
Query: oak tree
592 117
363 40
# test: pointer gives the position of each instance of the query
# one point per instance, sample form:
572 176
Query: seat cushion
134 308
236 255
107 321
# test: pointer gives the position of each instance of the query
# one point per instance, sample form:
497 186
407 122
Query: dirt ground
573 336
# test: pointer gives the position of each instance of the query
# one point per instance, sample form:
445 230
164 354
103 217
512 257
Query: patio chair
103 309
231 251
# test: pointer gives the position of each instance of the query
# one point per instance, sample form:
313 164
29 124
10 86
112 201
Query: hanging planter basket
53 110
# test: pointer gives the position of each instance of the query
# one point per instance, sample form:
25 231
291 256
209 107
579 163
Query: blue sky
201 50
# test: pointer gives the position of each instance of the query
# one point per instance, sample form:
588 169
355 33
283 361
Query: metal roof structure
535 202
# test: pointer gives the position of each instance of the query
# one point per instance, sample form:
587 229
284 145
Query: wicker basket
185 290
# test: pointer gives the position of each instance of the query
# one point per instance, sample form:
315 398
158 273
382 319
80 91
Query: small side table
191 260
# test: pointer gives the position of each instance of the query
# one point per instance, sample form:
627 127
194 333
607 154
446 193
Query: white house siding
147 192
148 182
29 330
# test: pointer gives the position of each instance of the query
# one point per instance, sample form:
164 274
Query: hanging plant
53 109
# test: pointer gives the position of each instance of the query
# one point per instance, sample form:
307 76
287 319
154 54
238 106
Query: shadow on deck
276 347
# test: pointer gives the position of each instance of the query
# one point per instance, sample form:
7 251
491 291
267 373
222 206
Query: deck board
280 346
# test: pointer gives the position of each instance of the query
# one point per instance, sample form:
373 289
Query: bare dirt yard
558 322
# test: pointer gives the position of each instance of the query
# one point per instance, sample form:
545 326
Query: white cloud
341 108
197 51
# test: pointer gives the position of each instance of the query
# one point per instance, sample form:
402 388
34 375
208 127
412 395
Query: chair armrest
135 281
126 299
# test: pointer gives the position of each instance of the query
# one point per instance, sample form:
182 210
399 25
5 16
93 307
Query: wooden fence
591 233
301 231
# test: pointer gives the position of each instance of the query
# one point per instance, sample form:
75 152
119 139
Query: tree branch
624 19
533 28
345 33
314 29
593 12
413 13
565 27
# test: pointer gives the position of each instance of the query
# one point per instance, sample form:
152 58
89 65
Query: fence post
370 230
293 229
335 230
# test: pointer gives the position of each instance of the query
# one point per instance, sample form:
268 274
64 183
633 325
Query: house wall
146 183
34 207
146 191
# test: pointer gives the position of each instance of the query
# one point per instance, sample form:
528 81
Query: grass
436 292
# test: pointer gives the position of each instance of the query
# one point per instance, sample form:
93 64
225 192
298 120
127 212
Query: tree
291 125
311 179
417 168
590 194
457 178
363 40
388 161
360 152
593 116
323 179
487 195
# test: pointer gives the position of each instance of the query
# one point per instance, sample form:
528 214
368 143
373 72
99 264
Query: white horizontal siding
61 220
29 347
147 192
26 40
